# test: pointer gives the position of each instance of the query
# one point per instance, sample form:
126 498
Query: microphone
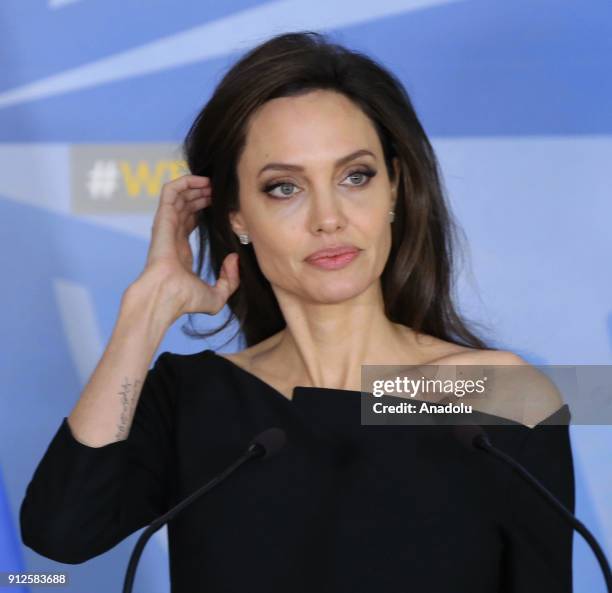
473 437
265 445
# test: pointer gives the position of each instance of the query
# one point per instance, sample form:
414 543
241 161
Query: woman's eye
284 187
365 174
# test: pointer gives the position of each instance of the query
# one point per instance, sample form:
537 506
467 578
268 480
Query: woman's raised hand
169 263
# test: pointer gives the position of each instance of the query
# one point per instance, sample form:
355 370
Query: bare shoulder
435 350
468 356
518 391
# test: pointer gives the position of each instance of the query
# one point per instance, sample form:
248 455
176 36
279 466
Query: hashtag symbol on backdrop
103 180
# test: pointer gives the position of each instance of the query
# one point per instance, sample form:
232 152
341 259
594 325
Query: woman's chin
336 290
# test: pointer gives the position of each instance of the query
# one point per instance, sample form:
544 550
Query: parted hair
418 279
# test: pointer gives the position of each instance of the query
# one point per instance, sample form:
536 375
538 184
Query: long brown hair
417 279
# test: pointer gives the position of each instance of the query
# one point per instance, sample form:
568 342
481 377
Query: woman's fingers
177 216
173 222
185 201
188 220
229 277
189 195
171 189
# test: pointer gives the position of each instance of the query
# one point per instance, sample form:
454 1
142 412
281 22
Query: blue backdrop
95 97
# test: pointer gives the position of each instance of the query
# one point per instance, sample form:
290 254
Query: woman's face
296 197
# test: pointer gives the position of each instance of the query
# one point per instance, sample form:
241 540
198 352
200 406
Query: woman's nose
326 212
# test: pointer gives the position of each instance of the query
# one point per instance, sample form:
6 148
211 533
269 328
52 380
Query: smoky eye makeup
365 170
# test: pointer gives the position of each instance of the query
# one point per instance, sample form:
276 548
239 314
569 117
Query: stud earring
244 239
391 215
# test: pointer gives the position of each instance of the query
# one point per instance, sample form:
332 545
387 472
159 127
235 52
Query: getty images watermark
486 394
423 386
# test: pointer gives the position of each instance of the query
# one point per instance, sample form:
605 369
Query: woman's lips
334 263
332 251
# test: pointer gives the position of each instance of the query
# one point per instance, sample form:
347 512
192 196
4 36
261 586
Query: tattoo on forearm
128 402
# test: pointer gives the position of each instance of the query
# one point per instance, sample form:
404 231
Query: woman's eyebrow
340 161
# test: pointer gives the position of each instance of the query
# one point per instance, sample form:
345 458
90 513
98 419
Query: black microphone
473 437
263 446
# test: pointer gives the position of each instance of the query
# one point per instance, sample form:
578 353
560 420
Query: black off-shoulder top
342 508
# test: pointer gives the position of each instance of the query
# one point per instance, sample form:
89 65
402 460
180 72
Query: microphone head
471 436
269 442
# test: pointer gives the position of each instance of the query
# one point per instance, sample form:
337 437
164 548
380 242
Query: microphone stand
481 441
264 445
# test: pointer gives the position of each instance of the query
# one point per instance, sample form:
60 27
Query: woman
304 146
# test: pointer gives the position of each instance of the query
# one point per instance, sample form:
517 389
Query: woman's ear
237 222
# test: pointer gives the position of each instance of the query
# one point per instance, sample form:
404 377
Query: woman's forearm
104 412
